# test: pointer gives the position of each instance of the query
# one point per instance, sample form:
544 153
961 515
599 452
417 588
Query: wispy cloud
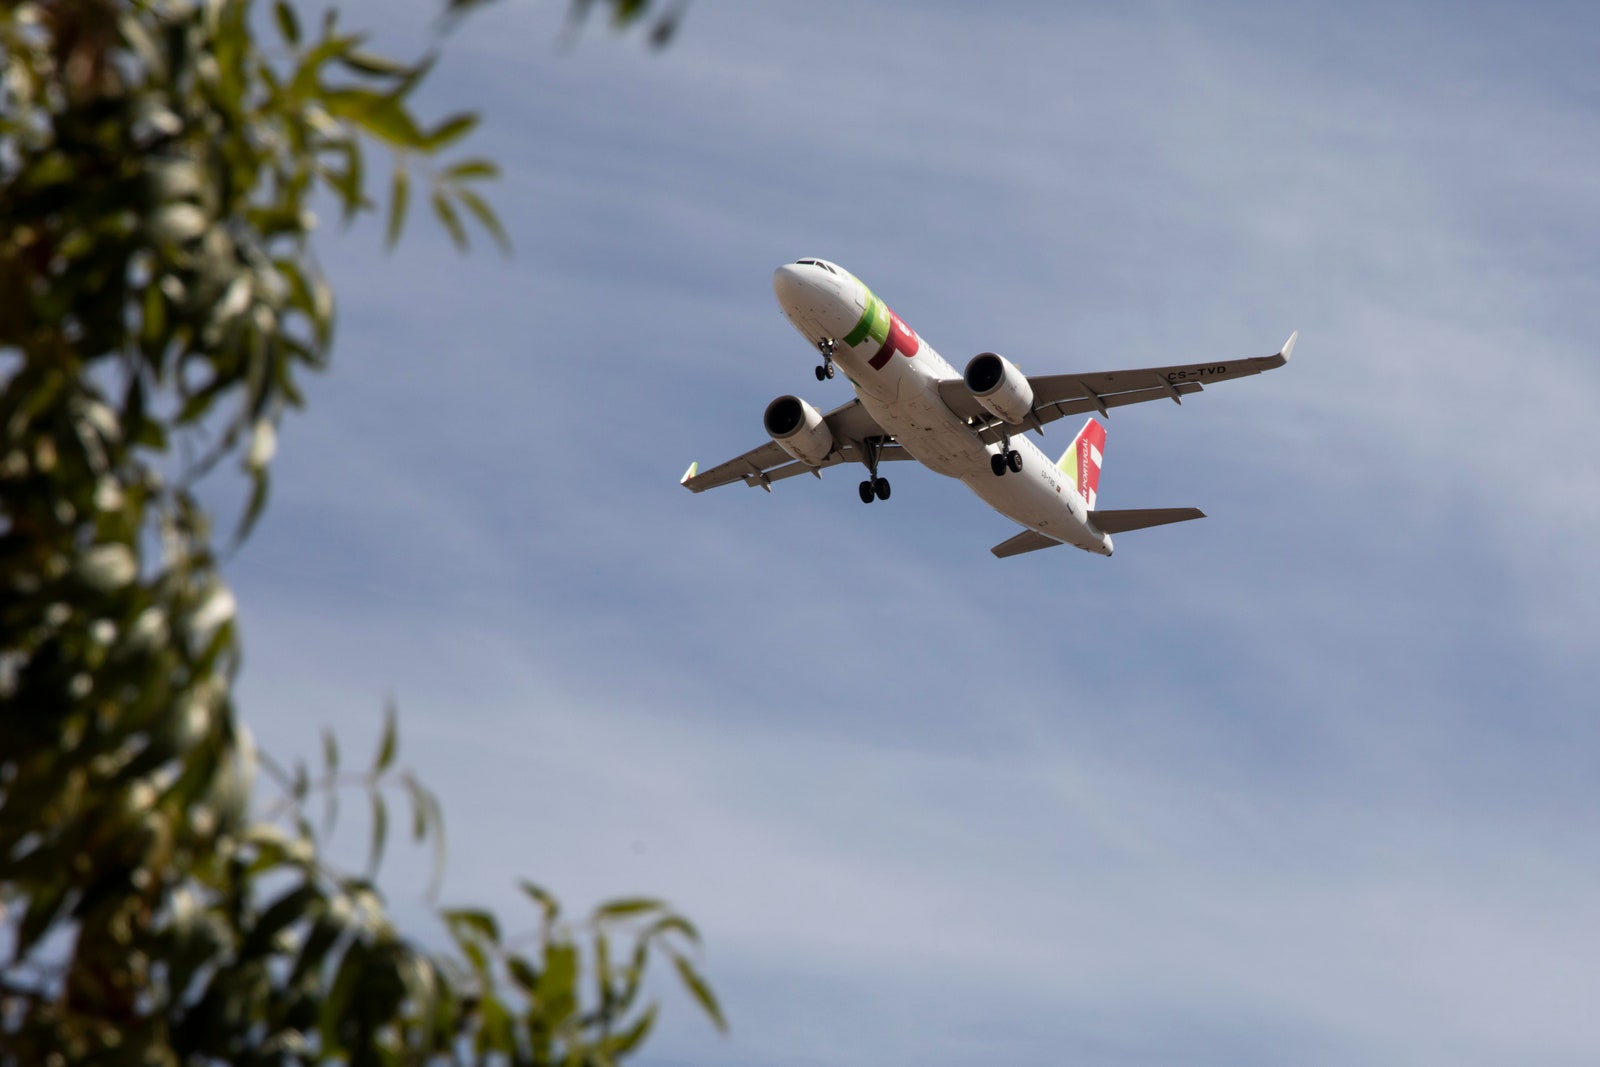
1308 780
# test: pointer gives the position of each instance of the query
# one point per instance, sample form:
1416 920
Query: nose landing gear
825 369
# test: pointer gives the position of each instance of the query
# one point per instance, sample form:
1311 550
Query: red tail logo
1090 446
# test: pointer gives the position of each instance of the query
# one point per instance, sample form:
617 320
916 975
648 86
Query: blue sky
1313 780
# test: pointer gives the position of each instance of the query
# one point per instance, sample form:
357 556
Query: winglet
694 468
1288 346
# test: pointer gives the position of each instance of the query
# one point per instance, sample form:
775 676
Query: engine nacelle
1002 389
799 430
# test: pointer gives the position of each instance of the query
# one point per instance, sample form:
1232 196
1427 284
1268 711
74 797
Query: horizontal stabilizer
1115 522
1026 541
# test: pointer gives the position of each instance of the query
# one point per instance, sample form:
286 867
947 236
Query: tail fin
1081 461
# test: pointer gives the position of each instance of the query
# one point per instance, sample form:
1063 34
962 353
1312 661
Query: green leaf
523 974
372 64
700 991
558 985
288 22
419 805
471 170
43 907
629 1039
322 938
198 403
154 335
452 221
350 183
674 924
390 741
314 305
632 976
440 847
305 82
616 909
495 1035
260 484
467 924
399 196
550 906
335 1007
299 903
475 957
414 76
602 970
330 751
624 12
486 218
451 130
380 830
382 115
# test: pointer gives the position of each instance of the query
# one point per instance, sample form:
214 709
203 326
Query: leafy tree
160 307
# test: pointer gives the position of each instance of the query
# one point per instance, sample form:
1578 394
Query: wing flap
1115 522
1026 541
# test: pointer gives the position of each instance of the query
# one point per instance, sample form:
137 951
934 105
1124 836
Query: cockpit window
818 263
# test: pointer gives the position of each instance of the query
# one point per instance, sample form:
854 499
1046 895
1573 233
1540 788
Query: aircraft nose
789 284
815 298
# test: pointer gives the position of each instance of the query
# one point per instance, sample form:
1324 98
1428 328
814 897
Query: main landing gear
1000 462
874 486
1007 457
825 368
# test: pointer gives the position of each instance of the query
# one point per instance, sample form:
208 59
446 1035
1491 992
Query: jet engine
1002 389
799 430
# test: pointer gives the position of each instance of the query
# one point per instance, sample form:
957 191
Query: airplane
911 404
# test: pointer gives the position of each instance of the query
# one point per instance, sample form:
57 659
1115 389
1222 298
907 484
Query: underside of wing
854 432
1115 522
1026 541
1056 395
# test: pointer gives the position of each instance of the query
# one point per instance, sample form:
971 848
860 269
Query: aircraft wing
1055 395
851 425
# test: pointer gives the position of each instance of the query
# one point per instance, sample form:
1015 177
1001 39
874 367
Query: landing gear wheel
997 463
874 486
825 346
1014 461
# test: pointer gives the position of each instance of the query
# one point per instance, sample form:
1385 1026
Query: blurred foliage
160 304
661 21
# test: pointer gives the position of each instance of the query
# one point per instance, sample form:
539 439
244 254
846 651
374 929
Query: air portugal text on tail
911 404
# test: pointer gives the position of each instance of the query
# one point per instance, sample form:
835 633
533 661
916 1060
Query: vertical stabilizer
1081 461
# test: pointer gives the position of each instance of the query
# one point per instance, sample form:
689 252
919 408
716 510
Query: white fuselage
896 375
